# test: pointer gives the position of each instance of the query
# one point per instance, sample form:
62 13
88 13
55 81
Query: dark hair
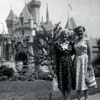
77 28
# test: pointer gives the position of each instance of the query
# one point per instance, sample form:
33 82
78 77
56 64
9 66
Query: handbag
90 78
55 84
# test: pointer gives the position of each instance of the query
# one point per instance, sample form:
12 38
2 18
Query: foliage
6 71
23 76
3 78
19 77
44 42
97 70
44 75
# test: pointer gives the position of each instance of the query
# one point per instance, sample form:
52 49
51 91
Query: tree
44 41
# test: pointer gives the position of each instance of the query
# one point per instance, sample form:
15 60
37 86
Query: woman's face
64 36
80 33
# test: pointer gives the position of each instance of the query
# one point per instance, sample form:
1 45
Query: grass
33 90
20 89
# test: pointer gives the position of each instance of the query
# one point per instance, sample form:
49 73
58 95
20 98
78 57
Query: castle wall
19 33
38 16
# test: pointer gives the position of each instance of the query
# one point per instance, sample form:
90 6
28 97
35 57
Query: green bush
22 77
44 75
14 78
3 78
6 71
97 70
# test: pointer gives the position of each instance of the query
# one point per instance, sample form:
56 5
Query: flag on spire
47 14
69 5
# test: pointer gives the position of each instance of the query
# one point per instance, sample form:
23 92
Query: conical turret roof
25 14
11 16
70 24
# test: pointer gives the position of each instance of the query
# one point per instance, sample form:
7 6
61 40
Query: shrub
23 71
6 71
44 75
3 78
22 77
97 70
14 78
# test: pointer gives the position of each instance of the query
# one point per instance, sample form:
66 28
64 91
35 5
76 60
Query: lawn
33 90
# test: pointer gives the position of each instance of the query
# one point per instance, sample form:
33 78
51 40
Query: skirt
81 64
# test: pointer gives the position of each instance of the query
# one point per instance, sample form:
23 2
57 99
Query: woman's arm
89 52
73 50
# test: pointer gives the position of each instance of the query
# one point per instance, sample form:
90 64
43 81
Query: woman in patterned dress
83 53
64 70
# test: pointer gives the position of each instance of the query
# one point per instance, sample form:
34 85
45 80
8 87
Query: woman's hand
89 66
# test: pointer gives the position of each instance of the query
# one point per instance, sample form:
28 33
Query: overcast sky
84 12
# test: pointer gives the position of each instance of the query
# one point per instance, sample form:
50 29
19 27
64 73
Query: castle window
22 32
22 20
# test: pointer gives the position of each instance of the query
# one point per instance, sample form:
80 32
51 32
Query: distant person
82 61
64 65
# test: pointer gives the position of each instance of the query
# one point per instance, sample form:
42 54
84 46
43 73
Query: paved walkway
92 97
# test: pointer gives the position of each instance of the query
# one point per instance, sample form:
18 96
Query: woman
64 69
82 61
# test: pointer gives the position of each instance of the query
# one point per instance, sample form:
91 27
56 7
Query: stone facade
17 46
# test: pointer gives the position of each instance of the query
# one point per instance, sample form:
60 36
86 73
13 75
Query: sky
84 12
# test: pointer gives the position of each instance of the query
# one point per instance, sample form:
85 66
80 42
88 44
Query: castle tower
31 25
10 22
47 15
48 24
70 21
35 10
70 24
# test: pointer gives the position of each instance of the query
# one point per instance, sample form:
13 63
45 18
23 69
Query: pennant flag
69 6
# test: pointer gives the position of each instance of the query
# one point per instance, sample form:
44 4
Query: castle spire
11 16
70 24
47 14
35 10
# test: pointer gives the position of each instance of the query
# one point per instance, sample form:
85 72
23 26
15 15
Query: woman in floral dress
64 66
83 53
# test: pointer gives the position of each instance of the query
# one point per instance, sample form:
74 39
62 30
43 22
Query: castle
17 45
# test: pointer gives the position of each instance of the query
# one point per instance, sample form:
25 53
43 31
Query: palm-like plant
45 45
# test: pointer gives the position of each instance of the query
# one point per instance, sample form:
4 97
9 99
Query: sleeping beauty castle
16 46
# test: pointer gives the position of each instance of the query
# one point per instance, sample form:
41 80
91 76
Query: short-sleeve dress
65 70
81 64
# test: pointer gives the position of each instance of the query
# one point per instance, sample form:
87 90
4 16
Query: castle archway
21 56
21 62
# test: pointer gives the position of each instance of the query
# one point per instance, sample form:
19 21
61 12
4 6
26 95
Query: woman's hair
77 28
64 31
